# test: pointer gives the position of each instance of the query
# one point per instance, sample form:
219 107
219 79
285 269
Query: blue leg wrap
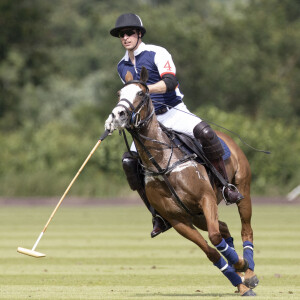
228 271
248 254
228 252
229 241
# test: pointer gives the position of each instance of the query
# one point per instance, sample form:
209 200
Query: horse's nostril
113 115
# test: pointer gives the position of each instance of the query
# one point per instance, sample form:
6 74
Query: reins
162 172
134 128
240 138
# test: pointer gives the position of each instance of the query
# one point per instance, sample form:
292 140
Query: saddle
191 146
191 149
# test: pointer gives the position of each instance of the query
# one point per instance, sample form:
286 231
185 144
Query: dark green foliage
237 62
274 173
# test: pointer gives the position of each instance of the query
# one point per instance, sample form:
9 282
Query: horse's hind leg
189 232
245 211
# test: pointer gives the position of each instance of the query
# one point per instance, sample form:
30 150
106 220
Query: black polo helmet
128 21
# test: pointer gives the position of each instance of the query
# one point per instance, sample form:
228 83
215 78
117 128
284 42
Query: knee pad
131 167
203 132
210 142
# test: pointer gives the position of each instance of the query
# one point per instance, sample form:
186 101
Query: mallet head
30 252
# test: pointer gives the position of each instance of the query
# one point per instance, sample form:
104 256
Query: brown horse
198 200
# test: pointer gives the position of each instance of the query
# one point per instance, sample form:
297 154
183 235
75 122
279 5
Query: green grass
107 253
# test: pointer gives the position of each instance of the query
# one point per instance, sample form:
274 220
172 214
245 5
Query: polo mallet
34 253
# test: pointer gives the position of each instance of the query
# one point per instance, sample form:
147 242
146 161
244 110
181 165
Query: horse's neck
153 132
160 152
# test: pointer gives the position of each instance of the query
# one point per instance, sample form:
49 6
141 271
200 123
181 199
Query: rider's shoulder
123 60
155 48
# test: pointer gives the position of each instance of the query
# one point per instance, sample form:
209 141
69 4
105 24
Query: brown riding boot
214 152
160 225
136 182
230 193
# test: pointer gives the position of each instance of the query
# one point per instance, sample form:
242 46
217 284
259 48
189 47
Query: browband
139 82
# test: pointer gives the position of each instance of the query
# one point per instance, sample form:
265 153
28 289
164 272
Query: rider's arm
167 70
167 84
158 87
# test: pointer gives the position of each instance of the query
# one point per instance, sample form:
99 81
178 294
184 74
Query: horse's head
134 107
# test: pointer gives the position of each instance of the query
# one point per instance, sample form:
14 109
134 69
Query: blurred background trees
238 63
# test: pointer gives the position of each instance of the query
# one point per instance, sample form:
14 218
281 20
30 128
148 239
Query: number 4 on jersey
167 66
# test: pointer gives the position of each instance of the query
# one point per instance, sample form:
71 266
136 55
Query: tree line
238 64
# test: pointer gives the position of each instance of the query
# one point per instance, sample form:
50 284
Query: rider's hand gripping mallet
34 253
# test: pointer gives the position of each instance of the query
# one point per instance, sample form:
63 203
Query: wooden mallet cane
34 253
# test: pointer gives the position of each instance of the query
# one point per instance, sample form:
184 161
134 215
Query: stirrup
165 225
232 187
161 218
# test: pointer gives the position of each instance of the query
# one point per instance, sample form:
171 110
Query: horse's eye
140 93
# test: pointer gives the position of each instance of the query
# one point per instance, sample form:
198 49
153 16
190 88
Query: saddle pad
189 149
226 149
187 143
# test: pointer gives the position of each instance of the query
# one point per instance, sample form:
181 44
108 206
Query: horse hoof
244 268
249 293
251 282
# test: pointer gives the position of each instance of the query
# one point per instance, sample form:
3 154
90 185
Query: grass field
106 253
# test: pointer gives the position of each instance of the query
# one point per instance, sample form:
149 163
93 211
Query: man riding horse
169 109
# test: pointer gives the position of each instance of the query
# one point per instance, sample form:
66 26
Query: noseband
134 114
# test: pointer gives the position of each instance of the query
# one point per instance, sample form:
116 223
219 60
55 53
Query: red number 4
167 66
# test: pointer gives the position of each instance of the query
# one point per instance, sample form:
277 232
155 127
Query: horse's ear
144 74
128 76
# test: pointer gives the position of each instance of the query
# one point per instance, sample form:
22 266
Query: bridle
135 124
134 120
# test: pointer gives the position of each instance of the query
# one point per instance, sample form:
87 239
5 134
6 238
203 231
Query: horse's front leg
210 210
186 229
200 222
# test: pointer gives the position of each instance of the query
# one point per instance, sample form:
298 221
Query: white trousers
179 119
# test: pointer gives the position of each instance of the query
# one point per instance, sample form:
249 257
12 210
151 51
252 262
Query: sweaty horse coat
190 181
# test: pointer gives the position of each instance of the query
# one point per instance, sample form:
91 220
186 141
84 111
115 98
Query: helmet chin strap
136 45
137 40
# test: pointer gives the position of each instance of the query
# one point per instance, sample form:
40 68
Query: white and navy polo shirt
158 61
